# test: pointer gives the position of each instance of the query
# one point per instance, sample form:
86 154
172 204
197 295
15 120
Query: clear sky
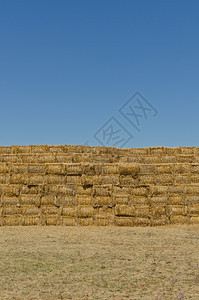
99 72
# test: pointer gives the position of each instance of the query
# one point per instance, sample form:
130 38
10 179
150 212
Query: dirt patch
99 262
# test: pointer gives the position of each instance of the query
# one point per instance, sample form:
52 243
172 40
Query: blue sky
67 67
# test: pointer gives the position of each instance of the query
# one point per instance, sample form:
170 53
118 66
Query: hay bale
124 210
84 200
55 169
140 191
149 179
55 179
36 169
30 220
85 189
70 211
67 200
148 169
29 199
136 200
65 221
124 221
31 210
121 199
165 179
11 210
85 211
85 221
158 210
142 221
9 200
4 168
103 191
35 179
194 220
159 220
102 201
18 179
110 179
12 220
73 179
174 219
128 169
142 211
176 210
73 169
159 200
193 209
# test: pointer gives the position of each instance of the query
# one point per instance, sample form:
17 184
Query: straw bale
55 148
195 168
158 210
102 221
176 199
56 168
141 210
121 199
4 168
124 221
140 191
127 180
168 159
192 199
44 158
85 211
188 150
152 159
11 210
73 179
159 220
36 168
62 158
176 210
104 191
51 220
159 200
101 159
182 179
121 190
18 179
19 168
176 189
128 169
30 210
159 190
193 209
35 179
181 168
181 158
84 200
194 178
165 179
157 151
67 189
147 179
124 210
88 180
142 222
29 199
4 178
5 150
32 189
39 148
9 158
85 221
67 200
9 200
48 200
110 179
107 169
179 219
164 169
140 151
68 221
49 210
101 201
192 190
69 211
85 189
55 179
10 190
30 220
12 220
73 169
194 220
138 200
148 169
89 168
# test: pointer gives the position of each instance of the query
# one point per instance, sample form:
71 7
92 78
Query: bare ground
99 262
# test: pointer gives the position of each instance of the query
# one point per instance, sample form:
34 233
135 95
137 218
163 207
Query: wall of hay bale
81 185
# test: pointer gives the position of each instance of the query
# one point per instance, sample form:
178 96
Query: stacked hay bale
80 185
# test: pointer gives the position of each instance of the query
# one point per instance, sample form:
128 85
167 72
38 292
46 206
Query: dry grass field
99 262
